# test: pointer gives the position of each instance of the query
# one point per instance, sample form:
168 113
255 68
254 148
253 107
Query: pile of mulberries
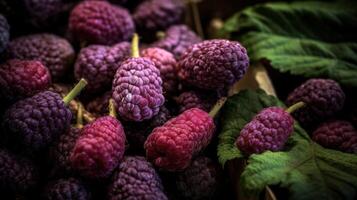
65 189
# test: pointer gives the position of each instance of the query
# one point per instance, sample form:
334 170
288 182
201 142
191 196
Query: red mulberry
4 33
99 22
66 189
196 99
20 79
173 145
98 64
54 52
213 64
136 179
99 148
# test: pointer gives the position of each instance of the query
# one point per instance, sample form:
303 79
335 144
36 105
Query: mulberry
173 145
196 99
323 98
54 52
4 33
99 105
66 189
99 22
213 64
134 179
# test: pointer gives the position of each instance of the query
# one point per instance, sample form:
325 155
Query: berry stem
79 123
160 35
112 111
135 46
217 106
294 107
75 91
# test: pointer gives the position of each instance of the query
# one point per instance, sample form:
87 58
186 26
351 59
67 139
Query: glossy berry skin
196 99
153 15
166 63
4 33
172 146
54 52
37 121
200 180
99 22
213 64
136 179
20 79
99 149
177 39
17 174
137 89
323 98
267 131
336 134
66 189
98 64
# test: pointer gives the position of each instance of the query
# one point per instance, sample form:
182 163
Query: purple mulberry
54 52
99 22
98 64
66 189
137 89
268 130
177 39
173 145
166 63
4 33
37 121
213 64
99 149
99 105
136 179
20 79
337 135
323 98
17 174
196 99
153 15
200 180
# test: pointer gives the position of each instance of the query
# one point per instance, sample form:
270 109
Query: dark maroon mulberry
20 79
99 105
177 39
323 98
173 145
99 149
136 179
196 99
66 189
337 135
213 64
17 174
153 15
166 63
54 52
99 22
4 33
98 64
200 180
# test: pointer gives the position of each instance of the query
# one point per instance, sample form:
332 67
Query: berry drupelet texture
135 179
54 52
323 98
200 180
196 99
336 134
66 189
268 130
98 64
99 22
22 78
37 121
4 33
153 15
17 174
99 149
213 64
177 39
173 145
137 89
99 105
166 63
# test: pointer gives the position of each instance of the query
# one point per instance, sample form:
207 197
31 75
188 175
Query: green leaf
306 169
313 39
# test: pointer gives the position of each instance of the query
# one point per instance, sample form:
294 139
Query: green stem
160 35
75 91
295 107
112 111
79 123
217 106
135 46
